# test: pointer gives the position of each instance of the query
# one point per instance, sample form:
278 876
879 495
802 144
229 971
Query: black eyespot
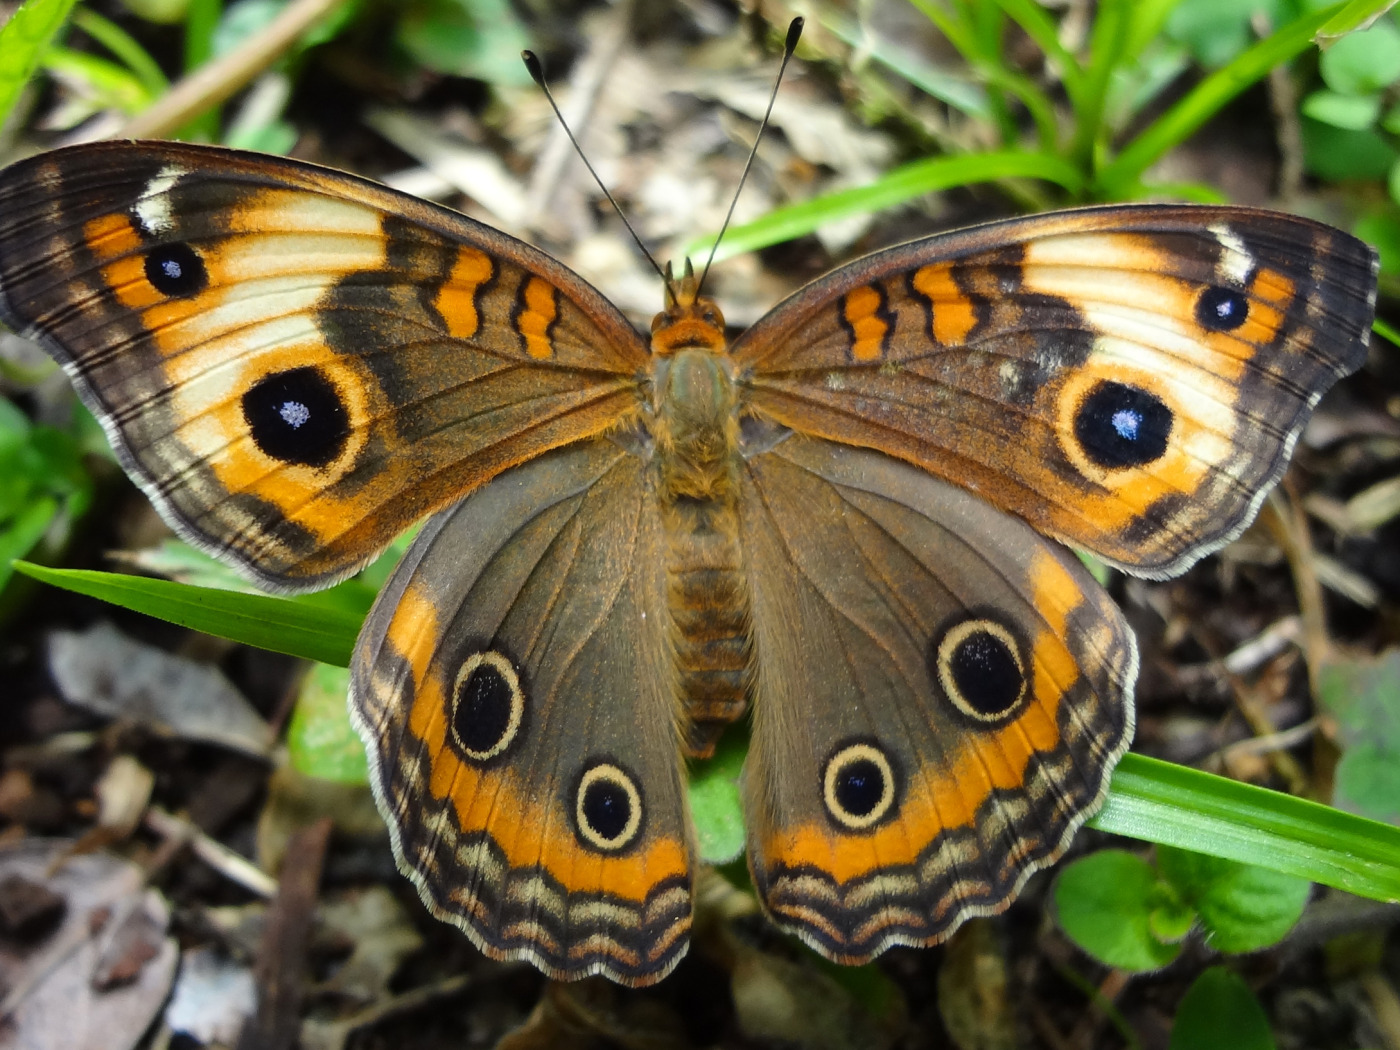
175 270
297 416
982 669
1118 425
488 706
607 807
1221 309
858 785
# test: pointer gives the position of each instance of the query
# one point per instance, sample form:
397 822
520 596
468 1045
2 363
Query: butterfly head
690 320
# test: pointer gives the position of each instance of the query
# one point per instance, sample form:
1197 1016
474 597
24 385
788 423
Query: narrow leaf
1160 802
23 41
903 184
284 625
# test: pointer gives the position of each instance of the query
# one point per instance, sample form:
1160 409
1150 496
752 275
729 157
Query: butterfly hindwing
940 697
294 363
1128 379
512 684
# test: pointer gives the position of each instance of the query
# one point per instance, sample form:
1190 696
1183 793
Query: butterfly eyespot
176 271
488 706
1117 426
982 668
1221 309
858 786
607 807
297 416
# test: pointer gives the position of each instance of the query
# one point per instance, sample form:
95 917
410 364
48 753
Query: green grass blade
895 187
954 90
1041 28
1206 99
284 625
1160 802
23 41
124 46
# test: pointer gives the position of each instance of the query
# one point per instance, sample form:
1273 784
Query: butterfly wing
940 696
294 363
1129 379
514 686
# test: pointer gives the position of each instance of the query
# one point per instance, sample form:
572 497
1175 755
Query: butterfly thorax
696 432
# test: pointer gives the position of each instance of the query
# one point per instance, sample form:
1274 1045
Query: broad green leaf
1364 696
23 42
1241 907
715 804
321 741
1219 1012
1342 111
467 38
1105 903
1364 62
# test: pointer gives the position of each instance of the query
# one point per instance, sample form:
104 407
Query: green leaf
1219 1012
321 741
895 187
1342 111
23 41
1364 696
1364 62
1381 230
1367 781
1160 802
1207 98
1105 903
284 625
466 38
1216 31
1241 907
1341 154
715 802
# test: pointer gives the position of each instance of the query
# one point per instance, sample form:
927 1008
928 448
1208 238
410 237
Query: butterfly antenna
536 68
794 34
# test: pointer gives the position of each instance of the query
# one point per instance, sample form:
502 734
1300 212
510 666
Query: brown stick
280 970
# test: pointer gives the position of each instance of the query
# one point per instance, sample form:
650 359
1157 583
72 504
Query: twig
218 80
281 963
226 862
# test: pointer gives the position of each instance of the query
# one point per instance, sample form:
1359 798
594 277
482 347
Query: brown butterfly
849 518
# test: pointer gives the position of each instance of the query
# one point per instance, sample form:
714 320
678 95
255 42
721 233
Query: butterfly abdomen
697 438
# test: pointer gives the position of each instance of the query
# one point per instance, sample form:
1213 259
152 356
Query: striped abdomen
706 593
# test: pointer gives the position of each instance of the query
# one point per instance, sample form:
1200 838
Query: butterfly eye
1221 309
1118 426
858 785
979 664
176 271
712 317
297 416
488 706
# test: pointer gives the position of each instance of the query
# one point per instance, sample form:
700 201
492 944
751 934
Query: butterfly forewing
1129 379
297 364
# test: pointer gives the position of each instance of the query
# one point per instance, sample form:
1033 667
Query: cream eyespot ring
858 786
982 669
607 807
488 706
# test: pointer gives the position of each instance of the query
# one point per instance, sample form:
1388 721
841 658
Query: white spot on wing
1236 262
153 206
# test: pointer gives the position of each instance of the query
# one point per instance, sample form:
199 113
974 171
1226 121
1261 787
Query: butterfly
849 521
